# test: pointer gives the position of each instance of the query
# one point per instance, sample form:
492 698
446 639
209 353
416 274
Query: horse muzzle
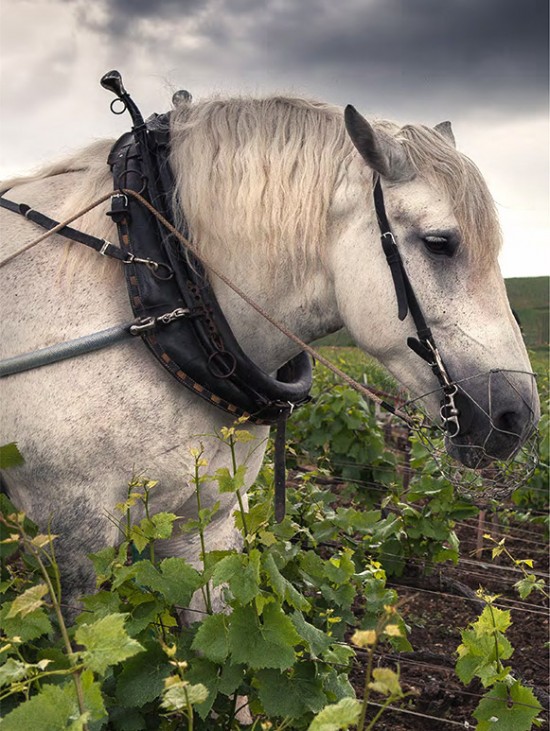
497 412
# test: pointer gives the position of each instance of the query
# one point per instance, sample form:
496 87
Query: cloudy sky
481 63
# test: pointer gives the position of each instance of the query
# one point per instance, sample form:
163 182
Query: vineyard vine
305 599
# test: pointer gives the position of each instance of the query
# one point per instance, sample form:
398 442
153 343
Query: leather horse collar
198 348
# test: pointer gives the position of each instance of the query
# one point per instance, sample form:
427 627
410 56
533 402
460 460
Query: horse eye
438 245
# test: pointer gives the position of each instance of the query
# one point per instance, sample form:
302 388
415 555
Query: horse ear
445 130
380 151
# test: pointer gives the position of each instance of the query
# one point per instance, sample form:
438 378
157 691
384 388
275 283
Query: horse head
447 233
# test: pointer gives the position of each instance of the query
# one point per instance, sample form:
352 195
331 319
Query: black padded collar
199 350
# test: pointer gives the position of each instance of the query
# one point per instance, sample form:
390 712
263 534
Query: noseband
424 344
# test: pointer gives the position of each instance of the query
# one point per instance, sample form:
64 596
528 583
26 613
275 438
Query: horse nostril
508 421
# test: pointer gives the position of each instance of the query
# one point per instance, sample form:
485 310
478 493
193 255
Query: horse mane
253 173
270 165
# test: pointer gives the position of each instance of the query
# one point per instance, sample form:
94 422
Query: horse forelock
459 179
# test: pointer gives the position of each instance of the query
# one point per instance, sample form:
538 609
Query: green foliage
127 663
508 706
533 497
529 582
344 435
339 428
106 643
10 456
57 707
337 716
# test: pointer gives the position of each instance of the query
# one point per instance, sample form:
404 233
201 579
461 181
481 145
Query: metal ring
127 173
452 420
118 110
222 364
156 270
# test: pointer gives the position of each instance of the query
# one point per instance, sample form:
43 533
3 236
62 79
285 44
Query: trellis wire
459 597
420 663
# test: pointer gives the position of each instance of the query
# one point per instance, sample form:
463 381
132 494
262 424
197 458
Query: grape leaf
290 695
211 639
33 625
52 708
107 642
515 716
56 707
10 456
12 670
28 601
337 717
262 642
142 677
282 587
242 573
316 640
491 619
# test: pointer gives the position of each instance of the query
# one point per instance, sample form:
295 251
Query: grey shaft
61 351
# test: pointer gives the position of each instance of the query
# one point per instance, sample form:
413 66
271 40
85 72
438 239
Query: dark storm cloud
493 51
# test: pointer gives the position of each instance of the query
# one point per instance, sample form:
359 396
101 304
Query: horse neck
306 307
306 304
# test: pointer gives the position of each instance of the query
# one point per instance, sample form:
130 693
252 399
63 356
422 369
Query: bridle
424 344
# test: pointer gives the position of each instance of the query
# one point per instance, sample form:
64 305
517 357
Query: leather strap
280 467
406 298
100 245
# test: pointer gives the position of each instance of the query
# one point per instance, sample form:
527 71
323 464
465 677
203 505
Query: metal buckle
105 247
149 323
438 363
176 314
143 325
121 195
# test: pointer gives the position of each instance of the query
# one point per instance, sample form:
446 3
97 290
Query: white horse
278 193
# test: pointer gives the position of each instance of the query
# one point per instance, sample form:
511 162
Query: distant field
529 300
